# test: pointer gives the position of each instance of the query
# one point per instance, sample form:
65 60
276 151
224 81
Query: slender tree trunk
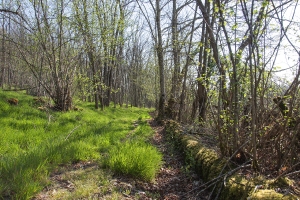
182 96
95 80
3 63
160 56
176 51
202 69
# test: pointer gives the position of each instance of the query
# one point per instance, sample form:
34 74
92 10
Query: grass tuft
135 159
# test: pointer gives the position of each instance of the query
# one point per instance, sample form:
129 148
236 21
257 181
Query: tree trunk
160 56
202 69
176 52
185 70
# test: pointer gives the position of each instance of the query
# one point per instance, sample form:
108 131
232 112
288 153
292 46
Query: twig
219 191
49 118
292 173
212 191
213 183
286 172
225 175
234 154
217 179
72 131
228 160
229 174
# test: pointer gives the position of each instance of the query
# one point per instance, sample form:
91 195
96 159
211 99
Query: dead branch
286 172
220 177
72 131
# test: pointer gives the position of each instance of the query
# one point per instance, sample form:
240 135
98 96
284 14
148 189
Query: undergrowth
35 142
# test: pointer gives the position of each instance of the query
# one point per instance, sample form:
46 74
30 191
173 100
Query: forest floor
174 181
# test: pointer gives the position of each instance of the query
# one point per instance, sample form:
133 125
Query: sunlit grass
134 156
136 159
34 142
82 184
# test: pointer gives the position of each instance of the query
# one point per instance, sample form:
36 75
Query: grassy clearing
34 143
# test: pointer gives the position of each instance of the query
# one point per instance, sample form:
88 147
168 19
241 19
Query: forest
227 69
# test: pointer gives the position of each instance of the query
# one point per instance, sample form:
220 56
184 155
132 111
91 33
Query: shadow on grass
23 175
25 172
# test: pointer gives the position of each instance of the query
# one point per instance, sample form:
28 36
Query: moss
206 158
208 166
173 132
216 168
259 180
191 143
267 195
190 146
237 187
281 182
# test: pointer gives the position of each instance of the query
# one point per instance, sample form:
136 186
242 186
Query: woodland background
227 68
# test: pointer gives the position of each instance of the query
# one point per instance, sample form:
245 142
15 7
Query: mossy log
267 194
209 166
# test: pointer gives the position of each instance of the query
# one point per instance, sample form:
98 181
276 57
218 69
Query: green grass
34 143
137 159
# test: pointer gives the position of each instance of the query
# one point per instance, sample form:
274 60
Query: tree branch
3 10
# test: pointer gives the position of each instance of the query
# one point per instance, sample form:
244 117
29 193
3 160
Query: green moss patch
268 194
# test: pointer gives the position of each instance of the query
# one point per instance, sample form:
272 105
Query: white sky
288 59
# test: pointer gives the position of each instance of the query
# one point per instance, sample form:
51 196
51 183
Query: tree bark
160 56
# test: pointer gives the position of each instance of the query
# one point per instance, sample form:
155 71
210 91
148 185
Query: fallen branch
292 173
286 172
228 160
217 179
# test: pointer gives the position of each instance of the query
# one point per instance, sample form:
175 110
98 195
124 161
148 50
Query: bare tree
49 36
156 33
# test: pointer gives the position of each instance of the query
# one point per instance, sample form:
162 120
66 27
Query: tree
85 30
47 49
156 33
160 56
217 64
185 69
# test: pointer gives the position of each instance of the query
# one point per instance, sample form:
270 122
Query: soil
175 180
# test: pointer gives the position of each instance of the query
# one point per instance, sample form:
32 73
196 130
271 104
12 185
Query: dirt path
173 182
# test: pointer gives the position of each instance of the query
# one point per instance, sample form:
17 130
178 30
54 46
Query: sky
288 56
